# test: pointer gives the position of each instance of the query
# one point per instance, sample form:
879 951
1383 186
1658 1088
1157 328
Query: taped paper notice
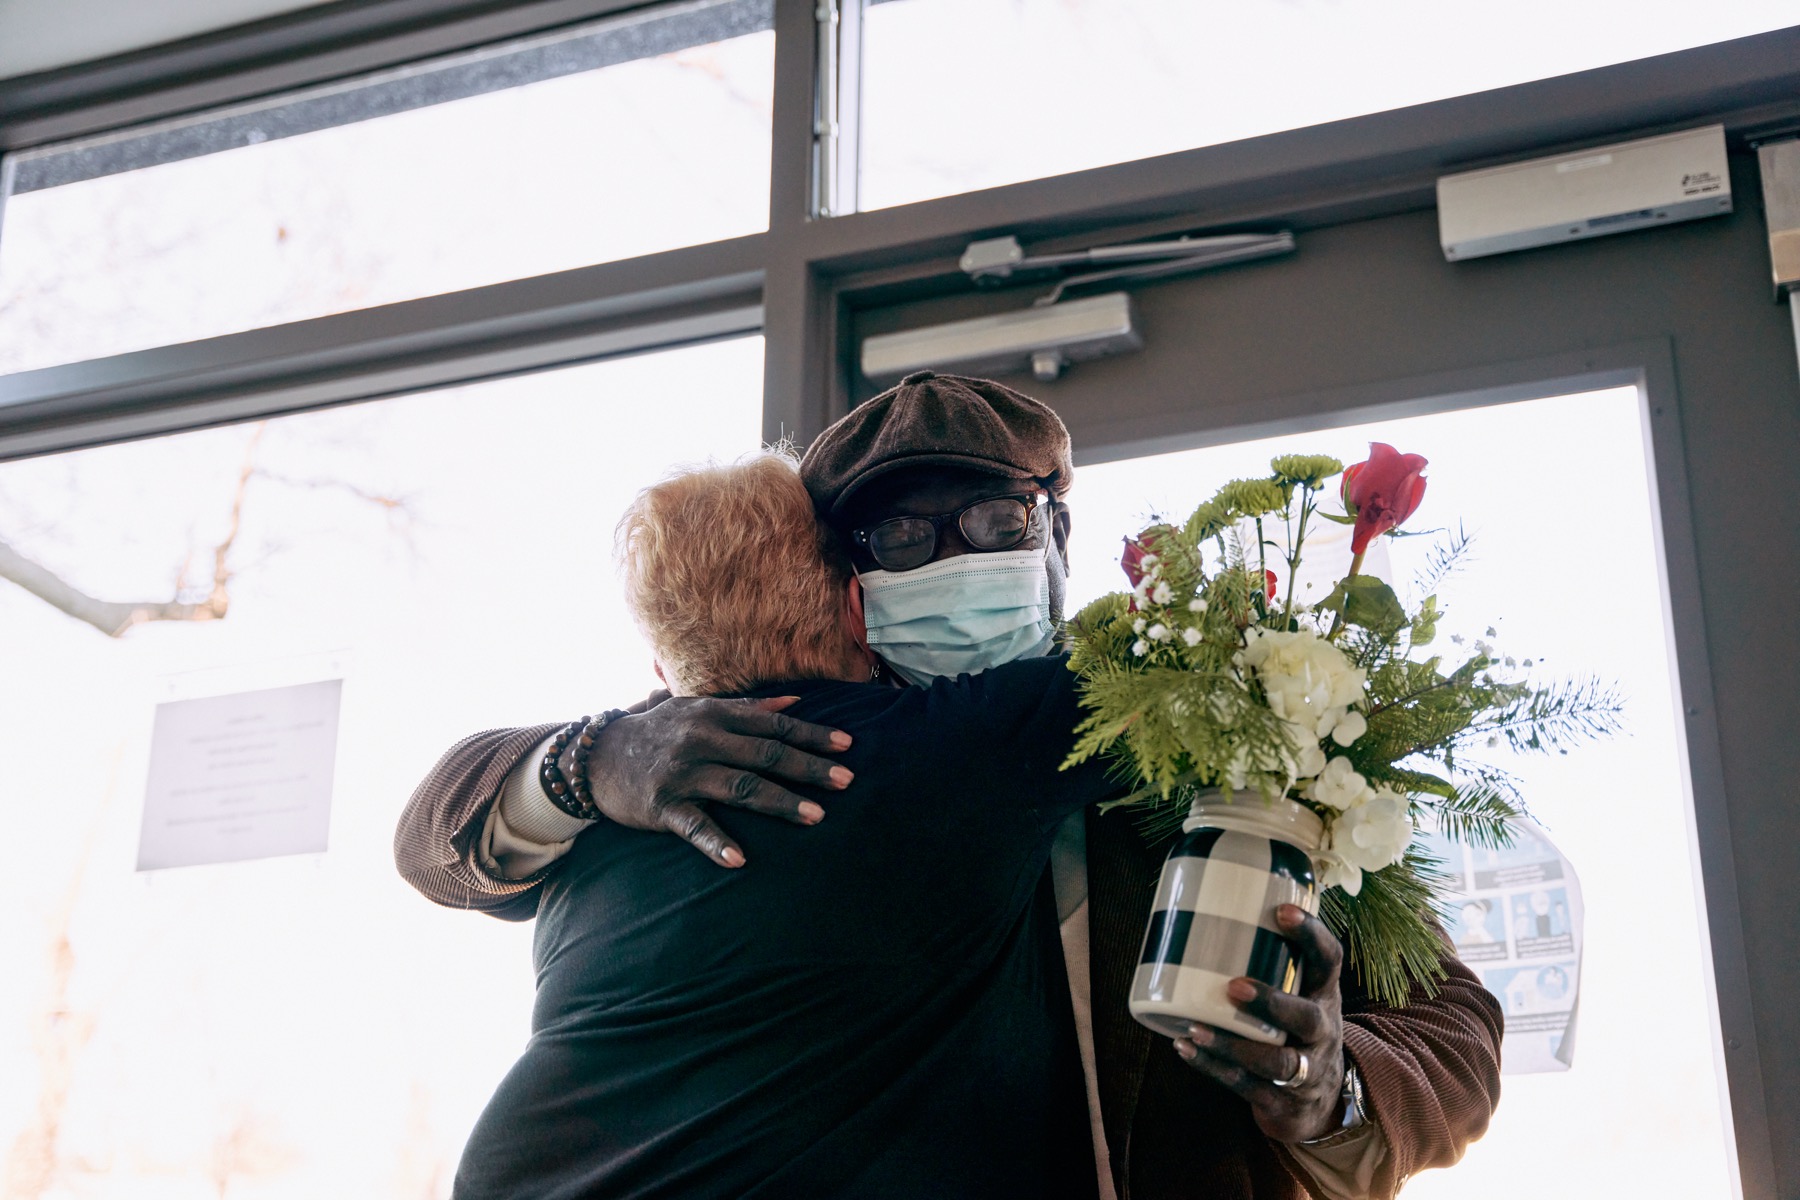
241 776
1515 916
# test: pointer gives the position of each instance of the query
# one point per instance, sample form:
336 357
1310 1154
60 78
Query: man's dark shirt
875 1006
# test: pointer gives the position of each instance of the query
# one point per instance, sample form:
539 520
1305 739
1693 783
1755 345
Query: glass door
1564 572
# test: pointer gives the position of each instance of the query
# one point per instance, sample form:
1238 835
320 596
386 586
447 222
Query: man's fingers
747 789
1304 1019
1226 1072
1321 955
779 760
764 719
1265 1063
689 821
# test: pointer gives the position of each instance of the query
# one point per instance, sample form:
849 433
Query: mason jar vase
1214 916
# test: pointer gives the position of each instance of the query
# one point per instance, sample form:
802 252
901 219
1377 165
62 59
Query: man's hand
1314 1021
654 770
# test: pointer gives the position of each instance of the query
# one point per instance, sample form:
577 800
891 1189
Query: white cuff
1345 1170
529 814
525 832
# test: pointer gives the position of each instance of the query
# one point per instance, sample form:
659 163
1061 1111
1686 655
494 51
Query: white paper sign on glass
1516 919
240 776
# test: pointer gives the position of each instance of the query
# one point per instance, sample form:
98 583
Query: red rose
1139 548
1133 561
1269 583
1382 492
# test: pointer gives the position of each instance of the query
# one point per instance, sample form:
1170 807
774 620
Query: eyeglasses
903 543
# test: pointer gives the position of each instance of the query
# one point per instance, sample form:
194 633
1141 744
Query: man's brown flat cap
938 420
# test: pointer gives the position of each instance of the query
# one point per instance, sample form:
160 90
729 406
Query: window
278 1027
1565 566
639 134
965 94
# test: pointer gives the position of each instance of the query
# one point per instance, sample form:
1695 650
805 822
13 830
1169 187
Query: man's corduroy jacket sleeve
1430 1068
436 841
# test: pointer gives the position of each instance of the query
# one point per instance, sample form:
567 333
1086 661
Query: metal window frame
669 27
812 271
806 280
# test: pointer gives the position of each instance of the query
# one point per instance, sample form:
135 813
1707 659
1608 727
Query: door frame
1649 366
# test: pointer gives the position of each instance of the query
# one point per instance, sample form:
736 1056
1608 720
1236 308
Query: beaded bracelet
574 796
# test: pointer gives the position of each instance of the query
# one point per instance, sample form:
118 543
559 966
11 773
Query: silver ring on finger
1299 1075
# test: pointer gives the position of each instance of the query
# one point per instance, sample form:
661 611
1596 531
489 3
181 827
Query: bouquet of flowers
1206 681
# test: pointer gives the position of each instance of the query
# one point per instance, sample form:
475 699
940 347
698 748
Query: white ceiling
36 35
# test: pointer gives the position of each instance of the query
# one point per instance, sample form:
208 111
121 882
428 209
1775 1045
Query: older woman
863 1011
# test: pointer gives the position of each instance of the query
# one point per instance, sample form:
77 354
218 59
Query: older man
913 478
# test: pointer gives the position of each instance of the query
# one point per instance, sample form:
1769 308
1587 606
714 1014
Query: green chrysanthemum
1253 497
1308 470
1208 522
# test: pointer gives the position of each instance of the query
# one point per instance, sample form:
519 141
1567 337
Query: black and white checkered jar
1214 917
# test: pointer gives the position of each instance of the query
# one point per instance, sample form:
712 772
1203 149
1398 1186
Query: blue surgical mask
959 615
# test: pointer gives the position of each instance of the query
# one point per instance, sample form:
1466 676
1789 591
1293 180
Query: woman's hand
656 770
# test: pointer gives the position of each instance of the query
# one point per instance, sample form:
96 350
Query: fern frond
1478 814
1550 718
1443 561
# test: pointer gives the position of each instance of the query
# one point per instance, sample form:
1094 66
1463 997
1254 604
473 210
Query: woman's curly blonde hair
735 581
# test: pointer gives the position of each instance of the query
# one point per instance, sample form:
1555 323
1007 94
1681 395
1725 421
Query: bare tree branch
110 617
393 504
34 1162
114 617
219 601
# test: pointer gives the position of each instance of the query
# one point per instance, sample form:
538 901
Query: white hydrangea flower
1306 678
1339 786
1158 632
1247 771
1148 561
1140 647
1138 626
1162 593
1350 726
1375 833
1197 604
1335 871
1191 636
1309 759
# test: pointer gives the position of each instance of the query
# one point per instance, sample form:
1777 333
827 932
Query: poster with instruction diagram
1515 916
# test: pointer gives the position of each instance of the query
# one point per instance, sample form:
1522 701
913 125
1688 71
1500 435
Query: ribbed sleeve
435 843
1430 1068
